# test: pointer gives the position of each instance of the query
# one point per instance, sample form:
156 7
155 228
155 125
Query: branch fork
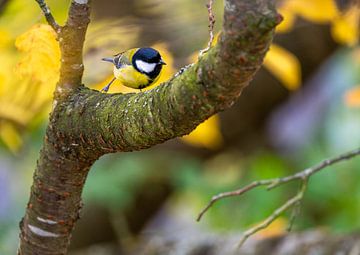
86 124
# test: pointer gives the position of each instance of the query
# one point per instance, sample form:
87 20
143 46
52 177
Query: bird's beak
111 60
162 62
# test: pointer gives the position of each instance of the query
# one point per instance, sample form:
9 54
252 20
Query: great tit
136 68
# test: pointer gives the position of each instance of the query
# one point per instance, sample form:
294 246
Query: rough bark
86 124
55 198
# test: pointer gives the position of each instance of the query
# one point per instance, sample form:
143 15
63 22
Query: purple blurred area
5 196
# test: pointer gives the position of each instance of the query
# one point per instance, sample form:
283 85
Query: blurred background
303 106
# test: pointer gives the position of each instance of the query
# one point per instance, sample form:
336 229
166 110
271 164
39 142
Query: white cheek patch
145 67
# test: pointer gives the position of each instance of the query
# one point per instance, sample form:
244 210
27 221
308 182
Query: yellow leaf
10 136
345 29
319 11
284 66
276 228
24 99
289 18
5 38
41 59
207 134
352 97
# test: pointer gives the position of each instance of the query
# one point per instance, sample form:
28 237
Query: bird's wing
120 60
124 58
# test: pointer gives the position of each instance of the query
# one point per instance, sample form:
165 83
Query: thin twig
275 182
288 204
47 13
295 212
232 194
211 27
312 170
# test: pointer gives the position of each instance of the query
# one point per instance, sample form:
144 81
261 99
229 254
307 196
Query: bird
136 68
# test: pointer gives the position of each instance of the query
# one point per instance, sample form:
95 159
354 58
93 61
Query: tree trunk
86 124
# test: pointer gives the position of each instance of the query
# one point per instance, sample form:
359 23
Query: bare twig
231 194
294 213
288 204
312 170
211 27
275 182
49 17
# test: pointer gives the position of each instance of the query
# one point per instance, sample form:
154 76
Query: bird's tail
111 60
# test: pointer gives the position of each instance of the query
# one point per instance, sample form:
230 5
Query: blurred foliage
352 97
307 9
29 63
26 97
41 54
24 94
345 25
283 65
207 134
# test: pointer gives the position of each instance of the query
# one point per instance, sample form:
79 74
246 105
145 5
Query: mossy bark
86 124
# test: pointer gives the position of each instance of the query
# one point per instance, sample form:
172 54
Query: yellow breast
130 77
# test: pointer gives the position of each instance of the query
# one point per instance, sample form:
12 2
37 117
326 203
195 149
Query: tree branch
287 205
127 122
55 198
49 17
273 183
71 39
86 124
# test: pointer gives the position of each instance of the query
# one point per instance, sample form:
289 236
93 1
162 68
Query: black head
148 61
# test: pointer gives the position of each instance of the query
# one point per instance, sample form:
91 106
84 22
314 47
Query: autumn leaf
29 91
10 136
206 135
5 38
276 228
346 27
318 11
289 18
284 66
41 60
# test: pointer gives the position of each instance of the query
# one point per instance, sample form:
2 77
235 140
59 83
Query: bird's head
148 61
